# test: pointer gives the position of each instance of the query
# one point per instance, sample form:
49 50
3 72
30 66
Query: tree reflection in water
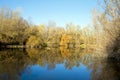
13 62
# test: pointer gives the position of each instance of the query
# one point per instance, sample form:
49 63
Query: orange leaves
65 39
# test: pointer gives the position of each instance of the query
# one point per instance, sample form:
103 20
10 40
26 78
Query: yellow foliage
83 46
41 28
65 39
33 41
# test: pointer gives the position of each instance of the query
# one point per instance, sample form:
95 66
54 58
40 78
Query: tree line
104 34
15 30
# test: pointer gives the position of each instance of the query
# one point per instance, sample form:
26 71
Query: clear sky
78 12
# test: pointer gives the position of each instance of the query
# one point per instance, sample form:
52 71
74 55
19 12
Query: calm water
56 64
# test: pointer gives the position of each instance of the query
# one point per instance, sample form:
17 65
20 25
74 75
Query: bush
33 41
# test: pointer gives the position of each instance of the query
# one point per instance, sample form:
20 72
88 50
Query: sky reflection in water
36 72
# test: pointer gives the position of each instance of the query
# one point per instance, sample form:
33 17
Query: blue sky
78 12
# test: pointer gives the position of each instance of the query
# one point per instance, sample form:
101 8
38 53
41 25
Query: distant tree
33 41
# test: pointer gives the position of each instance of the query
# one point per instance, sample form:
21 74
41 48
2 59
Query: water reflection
56 64
59 73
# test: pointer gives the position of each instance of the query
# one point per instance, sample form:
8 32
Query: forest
103 35
15 30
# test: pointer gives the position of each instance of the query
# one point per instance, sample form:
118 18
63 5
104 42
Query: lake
56 64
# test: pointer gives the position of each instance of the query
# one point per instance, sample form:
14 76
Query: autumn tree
50 34
108 26
12 27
